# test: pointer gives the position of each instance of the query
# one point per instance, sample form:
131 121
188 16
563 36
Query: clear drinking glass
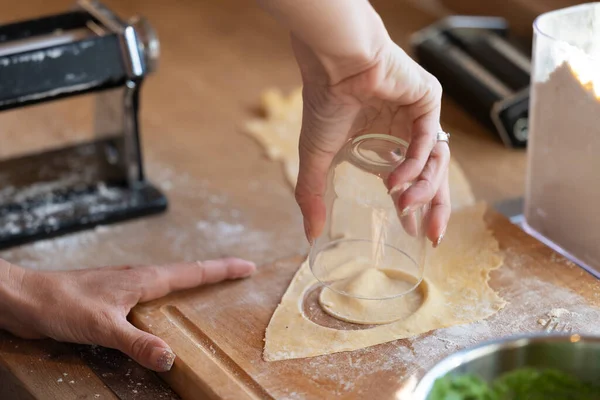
562 189
364 232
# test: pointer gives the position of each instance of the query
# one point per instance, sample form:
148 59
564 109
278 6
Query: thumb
146 349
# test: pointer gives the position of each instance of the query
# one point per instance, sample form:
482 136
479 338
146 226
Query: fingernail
164 359
247 273
439 240
395 190
398 188
406 211
307 232
240 269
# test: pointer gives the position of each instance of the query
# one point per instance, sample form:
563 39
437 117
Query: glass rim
362 161
565 10
383 136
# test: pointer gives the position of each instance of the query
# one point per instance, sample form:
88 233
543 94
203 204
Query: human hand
90 306
386 93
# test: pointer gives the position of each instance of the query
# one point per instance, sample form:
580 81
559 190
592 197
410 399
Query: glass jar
368 250
562 191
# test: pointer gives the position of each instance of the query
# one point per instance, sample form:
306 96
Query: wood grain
45 370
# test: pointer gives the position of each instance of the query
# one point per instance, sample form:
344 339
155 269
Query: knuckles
140 346
139 277
436 88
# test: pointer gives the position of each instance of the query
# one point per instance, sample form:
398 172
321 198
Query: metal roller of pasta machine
86 51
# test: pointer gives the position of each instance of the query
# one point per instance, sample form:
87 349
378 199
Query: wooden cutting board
217 332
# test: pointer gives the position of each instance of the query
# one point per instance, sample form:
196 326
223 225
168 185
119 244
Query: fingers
145 348
432 185
428 182
439 214
408 220
325 129
410 224
421 145
159 281
426 109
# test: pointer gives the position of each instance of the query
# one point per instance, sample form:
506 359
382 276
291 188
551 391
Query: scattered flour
45 206
220 228
347 372
202 223
529 303
555 315
533 299
558 312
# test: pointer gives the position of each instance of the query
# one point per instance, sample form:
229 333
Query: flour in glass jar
562 183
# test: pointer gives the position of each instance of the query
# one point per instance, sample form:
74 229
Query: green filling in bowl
520 384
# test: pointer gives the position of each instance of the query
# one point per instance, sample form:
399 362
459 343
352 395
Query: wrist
343 37
12 296
357 51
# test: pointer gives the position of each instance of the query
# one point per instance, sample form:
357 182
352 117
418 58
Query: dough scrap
279 133
372 283
456 275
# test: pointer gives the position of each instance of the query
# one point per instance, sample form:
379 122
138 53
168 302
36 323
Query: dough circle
374 282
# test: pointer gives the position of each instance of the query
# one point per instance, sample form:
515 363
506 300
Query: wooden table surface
216 59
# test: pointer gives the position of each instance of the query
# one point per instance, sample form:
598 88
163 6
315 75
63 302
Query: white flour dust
62 252
348 371
45 207
202 223
555 315
529 301
558 312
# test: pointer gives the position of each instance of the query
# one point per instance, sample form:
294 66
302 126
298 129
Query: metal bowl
573 354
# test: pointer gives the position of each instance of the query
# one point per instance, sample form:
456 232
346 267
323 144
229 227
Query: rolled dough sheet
455 288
